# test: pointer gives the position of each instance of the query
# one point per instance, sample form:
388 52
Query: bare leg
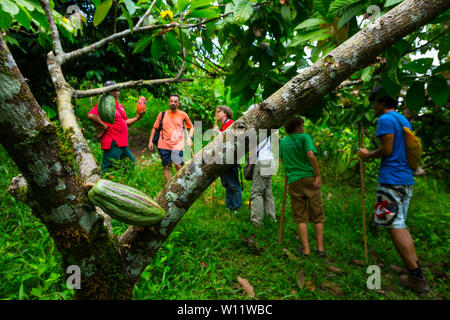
303 230
167 173
178 166
405 246
318 228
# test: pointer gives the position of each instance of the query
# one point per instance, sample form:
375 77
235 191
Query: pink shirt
117 131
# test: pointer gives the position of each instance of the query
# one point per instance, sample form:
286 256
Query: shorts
392 205
302 193
169 156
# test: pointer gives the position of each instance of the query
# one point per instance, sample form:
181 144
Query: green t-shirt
293 149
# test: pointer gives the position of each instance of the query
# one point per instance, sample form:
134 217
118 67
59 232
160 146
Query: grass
207 251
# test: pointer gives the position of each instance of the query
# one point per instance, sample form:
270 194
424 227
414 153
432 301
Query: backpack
413 146
158 131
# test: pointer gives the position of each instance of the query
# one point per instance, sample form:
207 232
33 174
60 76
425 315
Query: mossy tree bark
54 189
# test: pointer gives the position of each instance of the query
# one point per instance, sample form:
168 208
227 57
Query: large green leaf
9 7
338 5
322 6
24 18
128 17
349 14
142 43
243 10
101 11
420 65
182 4
5 20
415 98
204 13
200 3
438 89
172 43
288 13
310 23
131 7
157 47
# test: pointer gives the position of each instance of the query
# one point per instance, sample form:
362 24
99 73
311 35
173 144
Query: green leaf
338 5
316 35
131 7
26 4
204 13
157 47
243 11
349 14
287 13
438 90
9 7
142 44
367 74
51 113
442 68
182 4
391 2
322 6
5 20
390 83
172 42
101 11
200 3
310 23
128 17
420 65
415 98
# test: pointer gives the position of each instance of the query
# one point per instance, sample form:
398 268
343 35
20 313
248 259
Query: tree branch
53 28
77 94
145 15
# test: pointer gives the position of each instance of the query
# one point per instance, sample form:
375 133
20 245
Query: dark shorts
168 156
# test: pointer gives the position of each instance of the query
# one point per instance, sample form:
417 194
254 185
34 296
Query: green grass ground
208 251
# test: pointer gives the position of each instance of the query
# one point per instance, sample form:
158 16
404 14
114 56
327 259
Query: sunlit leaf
101 11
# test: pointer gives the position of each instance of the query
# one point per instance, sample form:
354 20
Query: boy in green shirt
297 153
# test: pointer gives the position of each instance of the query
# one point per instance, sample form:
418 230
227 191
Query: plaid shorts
392 205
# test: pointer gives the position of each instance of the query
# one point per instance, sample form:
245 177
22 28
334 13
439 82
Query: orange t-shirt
172 134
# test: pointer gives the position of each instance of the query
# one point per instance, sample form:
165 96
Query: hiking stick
363 190
212 184
283 207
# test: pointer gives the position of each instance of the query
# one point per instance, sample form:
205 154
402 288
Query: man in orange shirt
171 138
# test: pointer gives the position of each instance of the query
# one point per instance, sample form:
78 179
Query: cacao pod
140 106
107 108
125 204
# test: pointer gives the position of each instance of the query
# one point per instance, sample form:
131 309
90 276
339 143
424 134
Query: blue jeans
115 153
230 181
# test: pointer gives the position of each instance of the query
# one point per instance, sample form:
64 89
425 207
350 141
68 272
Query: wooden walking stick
363 191
283 207
212 184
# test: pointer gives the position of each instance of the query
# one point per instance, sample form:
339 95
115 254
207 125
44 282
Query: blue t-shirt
395 169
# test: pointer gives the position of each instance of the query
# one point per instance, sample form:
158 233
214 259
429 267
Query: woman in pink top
113 137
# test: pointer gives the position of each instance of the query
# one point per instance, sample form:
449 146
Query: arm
387 142
97 121
130 121
313 161
150 140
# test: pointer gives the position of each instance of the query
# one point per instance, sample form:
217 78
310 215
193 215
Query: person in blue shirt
395 185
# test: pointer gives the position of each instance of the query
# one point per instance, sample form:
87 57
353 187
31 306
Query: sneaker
419 172
321 254
300 251
418 285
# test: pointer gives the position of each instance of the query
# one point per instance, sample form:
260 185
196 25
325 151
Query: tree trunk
46 156
54 190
